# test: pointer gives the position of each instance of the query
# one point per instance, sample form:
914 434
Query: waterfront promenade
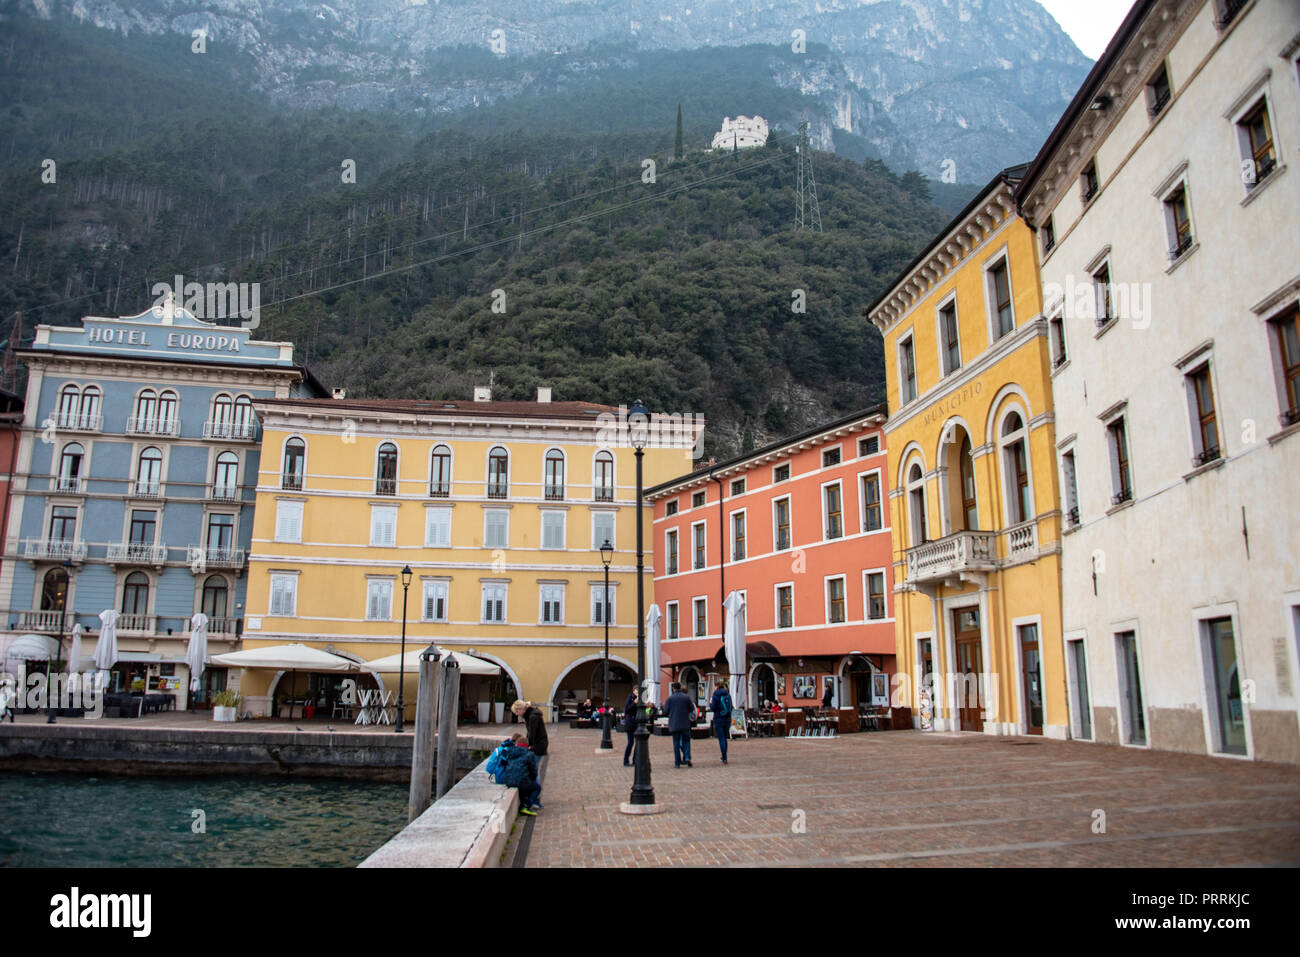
909 798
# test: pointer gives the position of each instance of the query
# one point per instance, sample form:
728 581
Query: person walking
629 724
681 715
720 705
534 724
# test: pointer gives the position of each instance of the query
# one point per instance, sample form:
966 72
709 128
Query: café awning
290 657
469 665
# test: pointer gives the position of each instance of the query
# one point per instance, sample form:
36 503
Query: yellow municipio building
974 497
498 508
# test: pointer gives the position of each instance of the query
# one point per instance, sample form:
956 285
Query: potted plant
225 705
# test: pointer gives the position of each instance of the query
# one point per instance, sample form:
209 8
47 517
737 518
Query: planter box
483 707
499 708
223 714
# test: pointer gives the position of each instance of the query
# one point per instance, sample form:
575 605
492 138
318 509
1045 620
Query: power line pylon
807 214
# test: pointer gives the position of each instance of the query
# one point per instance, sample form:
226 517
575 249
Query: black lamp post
642 791
606 556
401 662
63 611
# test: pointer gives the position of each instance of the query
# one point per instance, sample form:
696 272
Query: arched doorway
586 679
690 680
762 685
855 681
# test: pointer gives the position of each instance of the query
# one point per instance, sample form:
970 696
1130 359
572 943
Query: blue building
134 484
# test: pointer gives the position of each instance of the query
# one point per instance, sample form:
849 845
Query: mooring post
448 709
426 709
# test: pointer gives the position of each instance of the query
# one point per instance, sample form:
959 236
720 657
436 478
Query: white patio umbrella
106 646
31 648
293 657
652 628
734 643
74 655
196 653
469 665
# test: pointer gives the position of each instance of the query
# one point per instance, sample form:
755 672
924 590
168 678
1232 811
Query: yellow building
499 509
975 496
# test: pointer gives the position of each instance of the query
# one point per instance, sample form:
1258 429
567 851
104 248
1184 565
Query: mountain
963 87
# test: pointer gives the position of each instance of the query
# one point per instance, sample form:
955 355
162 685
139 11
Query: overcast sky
1090 23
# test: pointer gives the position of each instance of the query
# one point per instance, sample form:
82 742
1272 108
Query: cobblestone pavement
909 798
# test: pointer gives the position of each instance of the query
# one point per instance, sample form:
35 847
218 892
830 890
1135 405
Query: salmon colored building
801 529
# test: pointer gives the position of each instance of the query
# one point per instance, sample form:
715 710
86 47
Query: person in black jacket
520 771
534 724
629 724
681 716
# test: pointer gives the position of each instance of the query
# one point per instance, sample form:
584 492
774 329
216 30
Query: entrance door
764 685
1227 686
1031 683
1135 726
970 669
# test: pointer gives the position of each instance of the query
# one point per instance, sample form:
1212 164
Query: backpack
496 761
725 702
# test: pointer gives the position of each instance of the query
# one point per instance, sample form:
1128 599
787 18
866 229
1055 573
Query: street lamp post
643 792
63 611
606 556
401 663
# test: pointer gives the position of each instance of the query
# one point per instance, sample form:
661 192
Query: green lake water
66 820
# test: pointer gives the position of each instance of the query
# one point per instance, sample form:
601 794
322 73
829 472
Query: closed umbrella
734 643
74 656
196 654
106 646
652 626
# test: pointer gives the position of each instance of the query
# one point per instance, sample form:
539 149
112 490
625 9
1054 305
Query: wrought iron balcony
1206 457
386 486
79 422
604 493
291 483
1072 517
1184 243
137 553
141 489
951 555
216 557
498 490
54 549
146 425
70 484
234 431
554 493
440 490
223 493
1122 496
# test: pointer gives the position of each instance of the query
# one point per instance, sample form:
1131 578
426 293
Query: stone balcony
951 556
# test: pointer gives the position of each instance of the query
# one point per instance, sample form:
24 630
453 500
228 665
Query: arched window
167 406
295 460
222 414
135 594
386 470
242 426
440 472
88 416
149 472
215 593
916 505
603 480
69 398
70 468
1015 465
54 590
225 479
498 473
146 410
554 481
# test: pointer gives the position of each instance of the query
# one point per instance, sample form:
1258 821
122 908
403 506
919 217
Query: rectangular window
781 473
383 525
1049 235
871 517
143 525
1102 291
949 341
494 603
737 536
869 446
701 617
288 521
1056 336
1178 222
435 600
1159 91
830 457
496 528
1070 488
698 499
379 601
284 595
781 514
907 370
1000 294
1255 132
602 529
437 527
738 487
553 529
602 605
674 620
875 595
552 604
1206 430
835 600
671 508
697 537
671 539
1119 464
1089 182
833 502
221 532
1222 647
1286 334
785 606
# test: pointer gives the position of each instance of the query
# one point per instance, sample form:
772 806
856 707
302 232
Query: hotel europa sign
940 411
190 341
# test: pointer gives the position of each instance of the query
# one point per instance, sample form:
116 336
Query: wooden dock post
426 710
448 711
